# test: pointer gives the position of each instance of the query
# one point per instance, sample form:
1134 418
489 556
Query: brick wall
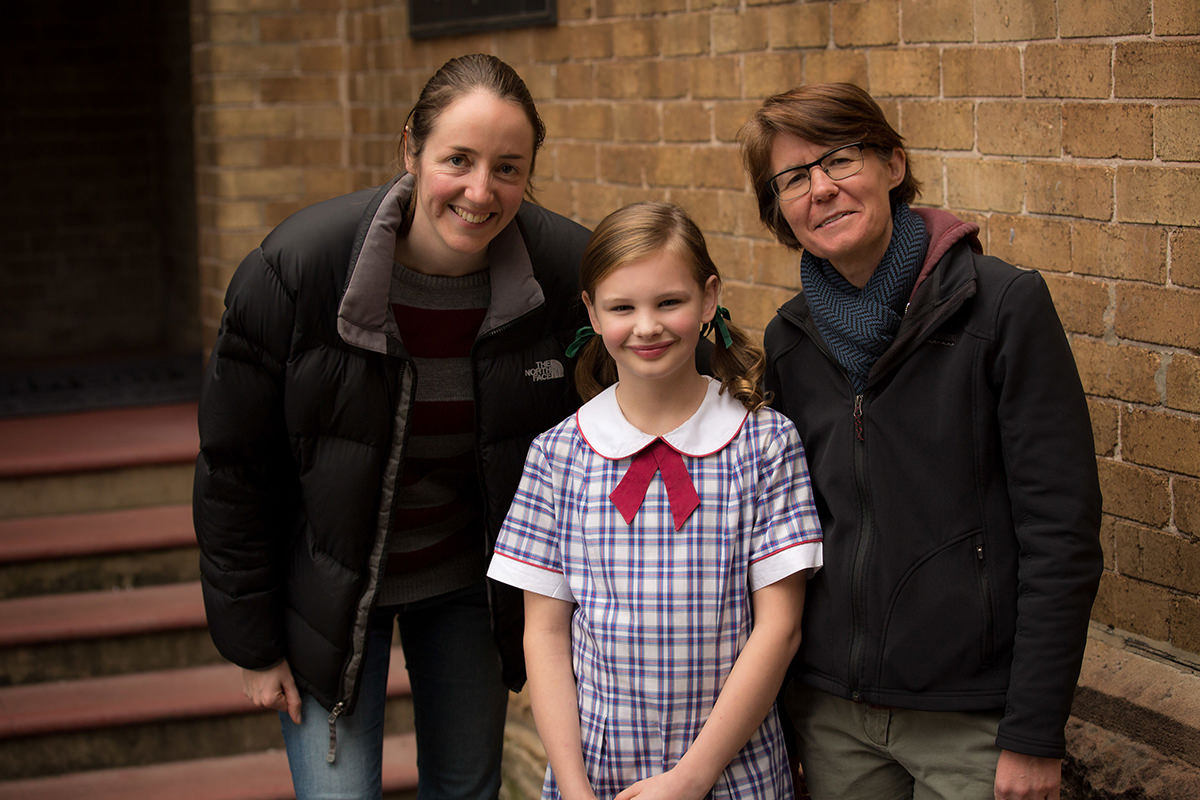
1069 130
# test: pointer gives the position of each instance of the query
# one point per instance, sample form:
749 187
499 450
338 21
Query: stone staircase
109 684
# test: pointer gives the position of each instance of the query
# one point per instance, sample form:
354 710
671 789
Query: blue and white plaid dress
661 614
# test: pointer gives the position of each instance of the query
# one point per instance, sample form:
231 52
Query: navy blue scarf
859 324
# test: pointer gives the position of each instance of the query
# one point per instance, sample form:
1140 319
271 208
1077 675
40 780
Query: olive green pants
853 751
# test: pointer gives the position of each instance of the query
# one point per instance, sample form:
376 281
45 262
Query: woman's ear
410 163
711 296
896 165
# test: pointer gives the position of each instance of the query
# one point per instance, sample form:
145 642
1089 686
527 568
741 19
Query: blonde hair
633 233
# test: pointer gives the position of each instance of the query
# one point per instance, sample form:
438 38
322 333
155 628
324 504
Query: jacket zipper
331 754
985 592
861 554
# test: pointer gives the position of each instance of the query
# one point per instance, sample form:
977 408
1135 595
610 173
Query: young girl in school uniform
662 536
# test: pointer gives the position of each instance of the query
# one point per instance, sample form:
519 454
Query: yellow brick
776 265
730 116
683 35
1081 303
827 66
239 122
1176 17
637 122
907 72
1030 242
625 164
929 170
1128 252
1185 258
1110 18
798 25
631 39
1157 69
1183 382
1105 418
730 254
667 79
1068 70
1177 132
575 81
771 73
1162 440
1119 372
593 202
1153 314
1069 189
321 58
298 27
985 185
229 28
578 120
739 32
1019 128
716 77
1165 195
321 121
574 161
719 168
672 165
862 23
317 89
251 58
981 72
937 21
1108 130
241 184
687 121
938 124
1015 20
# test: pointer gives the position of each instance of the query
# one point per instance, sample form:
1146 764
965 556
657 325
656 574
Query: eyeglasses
838 163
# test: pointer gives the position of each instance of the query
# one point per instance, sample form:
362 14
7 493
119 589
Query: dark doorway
98 275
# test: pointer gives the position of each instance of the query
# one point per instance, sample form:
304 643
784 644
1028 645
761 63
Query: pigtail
595 369
740 367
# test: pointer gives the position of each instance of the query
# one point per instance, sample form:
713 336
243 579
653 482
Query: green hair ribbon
582 337
718 324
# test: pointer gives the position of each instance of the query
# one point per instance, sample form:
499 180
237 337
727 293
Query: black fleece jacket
959 498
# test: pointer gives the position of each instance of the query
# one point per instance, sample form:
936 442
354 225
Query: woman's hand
274 688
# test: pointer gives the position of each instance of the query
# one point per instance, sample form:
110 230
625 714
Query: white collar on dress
714 425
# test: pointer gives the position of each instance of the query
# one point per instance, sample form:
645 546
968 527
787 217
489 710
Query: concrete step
97 460
105 550
147 718
81 634
254 776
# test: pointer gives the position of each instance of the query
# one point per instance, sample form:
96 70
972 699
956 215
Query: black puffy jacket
959 499
302 427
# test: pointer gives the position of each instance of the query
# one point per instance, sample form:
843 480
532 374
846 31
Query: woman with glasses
952 464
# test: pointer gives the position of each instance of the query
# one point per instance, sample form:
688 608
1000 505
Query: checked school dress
662 589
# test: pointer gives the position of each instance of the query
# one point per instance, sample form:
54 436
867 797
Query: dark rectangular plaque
430 18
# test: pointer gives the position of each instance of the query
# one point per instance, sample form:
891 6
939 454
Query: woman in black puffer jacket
383 362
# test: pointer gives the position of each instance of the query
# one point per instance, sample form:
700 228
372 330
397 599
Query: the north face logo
546 370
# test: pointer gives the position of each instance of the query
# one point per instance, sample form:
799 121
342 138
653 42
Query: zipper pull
979 551
333 715
858 420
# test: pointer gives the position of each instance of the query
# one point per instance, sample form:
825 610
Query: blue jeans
459 704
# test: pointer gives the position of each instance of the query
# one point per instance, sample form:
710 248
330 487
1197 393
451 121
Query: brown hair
822 113
630 234
461 76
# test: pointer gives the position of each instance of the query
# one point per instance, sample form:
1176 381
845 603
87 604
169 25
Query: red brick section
90 615
258 776
93 440
67 535
89 703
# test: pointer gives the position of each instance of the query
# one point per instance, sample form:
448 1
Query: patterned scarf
859 324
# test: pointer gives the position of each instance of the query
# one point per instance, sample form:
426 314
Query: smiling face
846 222
649 313
471 175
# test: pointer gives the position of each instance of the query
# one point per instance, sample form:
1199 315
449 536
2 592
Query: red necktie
658 456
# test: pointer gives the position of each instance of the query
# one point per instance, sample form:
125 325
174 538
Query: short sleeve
527 554
787 529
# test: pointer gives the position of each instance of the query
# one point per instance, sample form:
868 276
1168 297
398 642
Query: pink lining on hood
945 230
